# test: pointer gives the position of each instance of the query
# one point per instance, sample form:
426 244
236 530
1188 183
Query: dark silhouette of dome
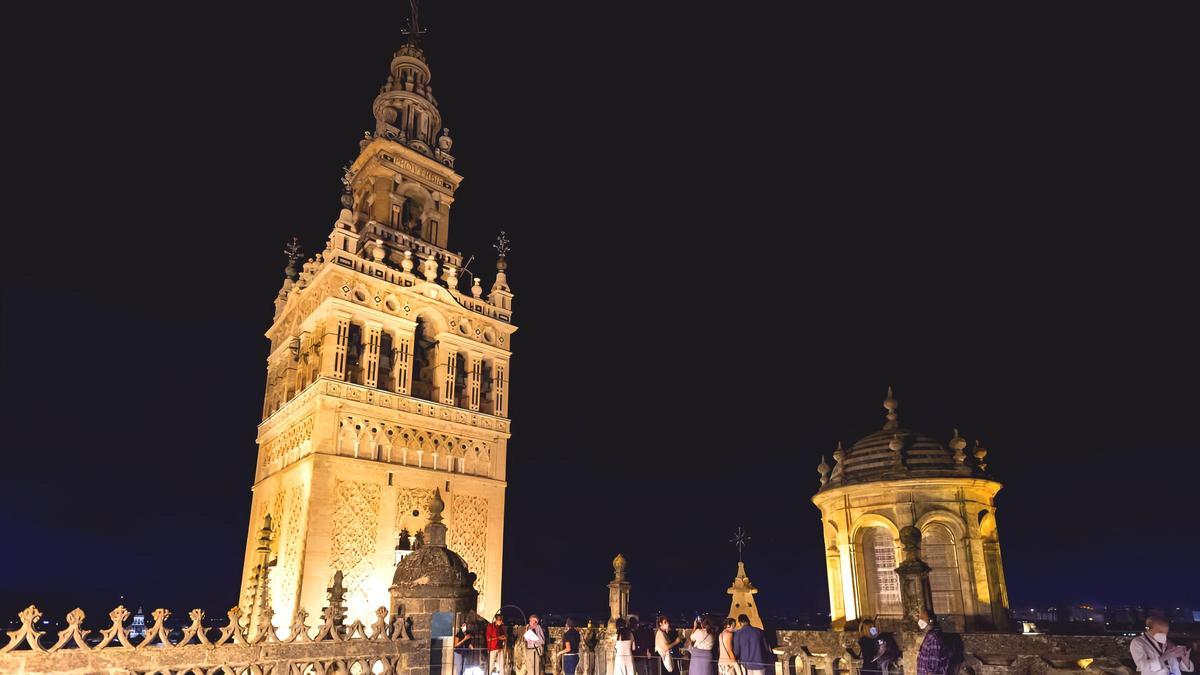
433 569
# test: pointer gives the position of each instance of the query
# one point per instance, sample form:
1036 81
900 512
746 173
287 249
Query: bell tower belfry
387 380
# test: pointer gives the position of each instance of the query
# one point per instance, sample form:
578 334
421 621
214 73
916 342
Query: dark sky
732 230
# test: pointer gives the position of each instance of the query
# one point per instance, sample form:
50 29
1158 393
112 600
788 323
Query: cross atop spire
413 30
740 539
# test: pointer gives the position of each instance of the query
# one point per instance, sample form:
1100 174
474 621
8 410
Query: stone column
618 592
371 358
915 591
333 346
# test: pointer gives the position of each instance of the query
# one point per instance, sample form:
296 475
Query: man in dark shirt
570 650
643 646
751 649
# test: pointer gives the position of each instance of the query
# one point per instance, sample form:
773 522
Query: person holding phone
1154 654
464 648
702 641
497 644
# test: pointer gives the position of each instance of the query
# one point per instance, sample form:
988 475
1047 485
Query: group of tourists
738 648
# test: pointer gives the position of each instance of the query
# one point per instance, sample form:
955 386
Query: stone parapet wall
835 653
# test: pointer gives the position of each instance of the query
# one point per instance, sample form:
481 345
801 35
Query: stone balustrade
835 653
236 648
407 280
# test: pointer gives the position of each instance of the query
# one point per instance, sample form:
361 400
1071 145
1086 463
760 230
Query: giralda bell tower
387 378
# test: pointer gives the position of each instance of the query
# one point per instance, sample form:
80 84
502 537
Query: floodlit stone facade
387 379
907 523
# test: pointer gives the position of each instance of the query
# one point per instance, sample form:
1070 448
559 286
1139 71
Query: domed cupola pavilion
910 522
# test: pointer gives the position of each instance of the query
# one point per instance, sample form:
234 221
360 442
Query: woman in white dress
623 654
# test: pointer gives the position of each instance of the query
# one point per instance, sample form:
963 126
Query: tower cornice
389 150
834 494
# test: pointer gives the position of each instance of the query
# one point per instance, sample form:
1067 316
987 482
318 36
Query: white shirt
1151 658
702 639
534 637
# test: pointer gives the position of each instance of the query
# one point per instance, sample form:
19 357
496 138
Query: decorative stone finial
264 535
444 141
619 565
958 444
500 286
335 611
436 506
407 263
891 404
378 252
823 469
451 277
477 288
435 531
429 269
980 453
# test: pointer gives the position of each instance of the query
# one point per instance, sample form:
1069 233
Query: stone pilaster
500 388
475 382
618 592
446 372
371 355
334 346
403 362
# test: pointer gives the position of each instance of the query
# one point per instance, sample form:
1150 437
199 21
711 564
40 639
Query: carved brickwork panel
285 448
468 534
409 500
412 446
286 578
355 527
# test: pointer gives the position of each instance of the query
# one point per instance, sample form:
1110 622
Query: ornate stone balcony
393 401
416 406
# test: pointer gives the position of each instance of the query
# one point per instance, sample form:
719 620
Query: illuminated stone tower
385 381
907 523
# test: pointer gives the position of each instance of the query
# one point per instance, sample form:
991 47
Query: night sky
732 230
